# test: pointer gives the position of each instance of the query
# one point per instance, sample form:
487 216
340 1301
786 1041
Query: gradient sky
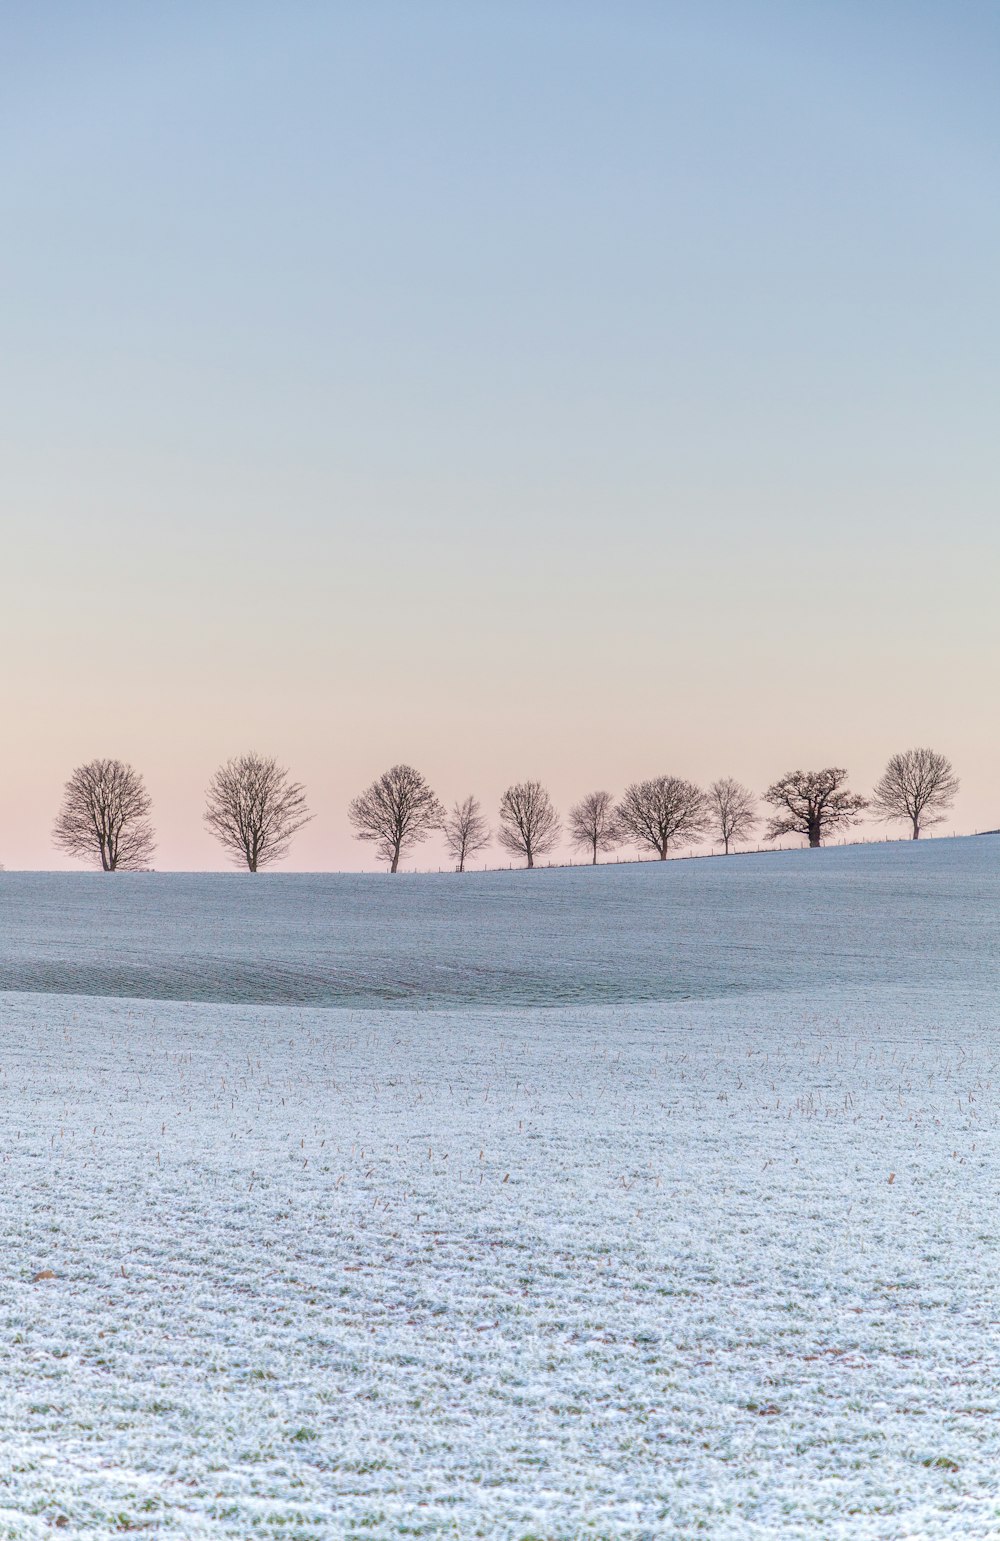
550 390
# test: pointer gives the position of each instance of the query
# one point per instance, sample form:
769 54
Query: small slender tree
917 786
253 809
812 803
104 817
529 825
396 812
662 810
465 831
733 811
593 825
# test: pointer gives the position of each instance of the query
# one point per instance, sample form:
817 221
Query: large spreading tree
813 803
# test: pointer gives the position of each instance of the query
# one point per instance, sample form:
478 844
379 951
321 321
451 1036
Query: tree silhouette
104 817
662 810
529 825
253 810
812 803
732 810
593 825
918 786
465 831
396 812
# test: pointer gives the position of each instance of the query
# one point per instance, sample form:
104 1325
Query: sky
567 391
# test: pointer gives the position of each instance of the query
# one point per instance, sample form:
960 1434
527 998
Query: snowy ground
723 1267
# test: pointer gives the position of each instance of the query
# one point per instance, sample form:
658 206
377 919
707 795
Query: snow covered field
648 1202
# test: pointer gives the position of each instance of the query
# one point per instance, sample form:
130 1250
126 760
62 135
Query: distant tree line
254 809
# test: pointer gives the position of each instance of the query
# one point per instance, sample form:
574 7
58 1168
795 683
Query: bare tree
253 810
104 817
465 831
661 810
593 825
812 803
733 810
529 825
918 785
397 811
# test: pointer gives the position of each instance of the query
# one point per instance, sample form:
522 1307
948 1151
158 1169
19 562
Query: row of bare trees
254 809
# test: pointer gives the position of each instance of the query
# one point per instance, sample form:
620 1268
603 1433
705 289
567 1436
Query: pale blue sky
565 390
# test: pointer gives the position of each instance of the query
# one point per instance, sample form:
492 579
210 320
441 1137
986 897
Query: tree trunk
531 858
595 850
726 843
916 826
395 861
663 851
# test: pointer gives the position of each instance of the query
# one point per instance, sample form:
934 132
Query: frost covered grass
724 1268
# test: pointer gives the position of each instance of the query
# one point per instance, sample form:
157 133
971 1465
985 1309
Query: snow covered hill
661 1203
855 915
